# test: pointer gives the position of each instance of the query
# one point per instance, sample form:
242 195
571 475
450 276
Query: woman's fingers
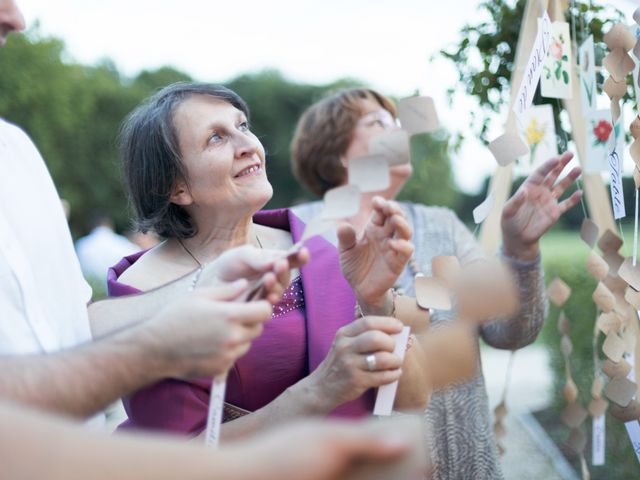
570 202
381 361
563 184
388 325
552 174
514 204
404 248
373 341
347 237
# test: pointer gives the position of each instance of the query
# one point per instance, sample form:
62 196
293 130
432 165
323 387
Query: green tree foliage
485 55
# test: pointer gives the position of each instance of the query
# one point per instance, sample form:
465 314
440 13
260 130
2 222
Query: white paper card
599 132
532 72
341 202
216 407
587 59
633 430
387 393
539 133
598 440
617 194
635 29
370 173
482 211
556 72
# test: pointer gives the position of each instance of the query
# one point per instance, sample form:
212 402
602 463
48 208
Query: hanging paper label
633 430
617 194
387 393
532 72
597 440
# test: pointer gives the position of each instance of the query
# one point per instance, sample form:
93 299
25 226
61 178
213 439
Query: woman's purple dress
293 343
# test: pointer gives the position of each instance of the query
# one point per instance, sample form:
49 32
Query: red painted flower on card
602 131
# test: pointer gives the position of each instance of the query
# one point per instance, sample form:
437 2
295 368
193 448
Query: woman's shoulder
149 270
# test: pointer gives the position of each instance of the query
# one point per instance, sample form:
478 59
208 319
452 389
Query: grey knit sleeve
523 327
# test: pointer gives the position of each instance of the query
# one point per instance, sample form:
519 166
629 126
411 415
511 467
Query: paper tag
418 115
369 173
507 148
619 37
633 430
532 72
619 64
598 440
216 407
617 194
482 211
558 292
589 232
341 202
387 393
431 293
393 145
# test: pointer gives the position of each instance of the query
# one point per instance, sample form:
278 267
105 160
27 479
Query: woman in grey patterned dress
339 128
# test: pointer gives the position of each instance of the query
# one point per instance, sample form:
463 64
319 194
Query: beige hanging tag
498 431
614 260
634 128
629 273
596 386
636 173
410 314
609 242
603 298
634 152
589 232
451 354
615 114
570 391
393 145
620 390
608 322
597 267
418 115
486 290
430 293
445 268
633 297
507 148
619 37
341 202
616 369
558 292
626 414
597 407
619 64
573 415
613 346
500 411
566 347
614 89
577 440
563 324
369 173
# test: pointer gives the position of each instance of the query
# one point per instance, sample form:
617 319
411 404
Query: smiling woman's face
224 160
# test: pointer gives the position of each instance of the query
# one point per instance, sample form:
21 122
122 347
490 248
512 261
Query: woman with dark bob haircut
196 176
338 128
